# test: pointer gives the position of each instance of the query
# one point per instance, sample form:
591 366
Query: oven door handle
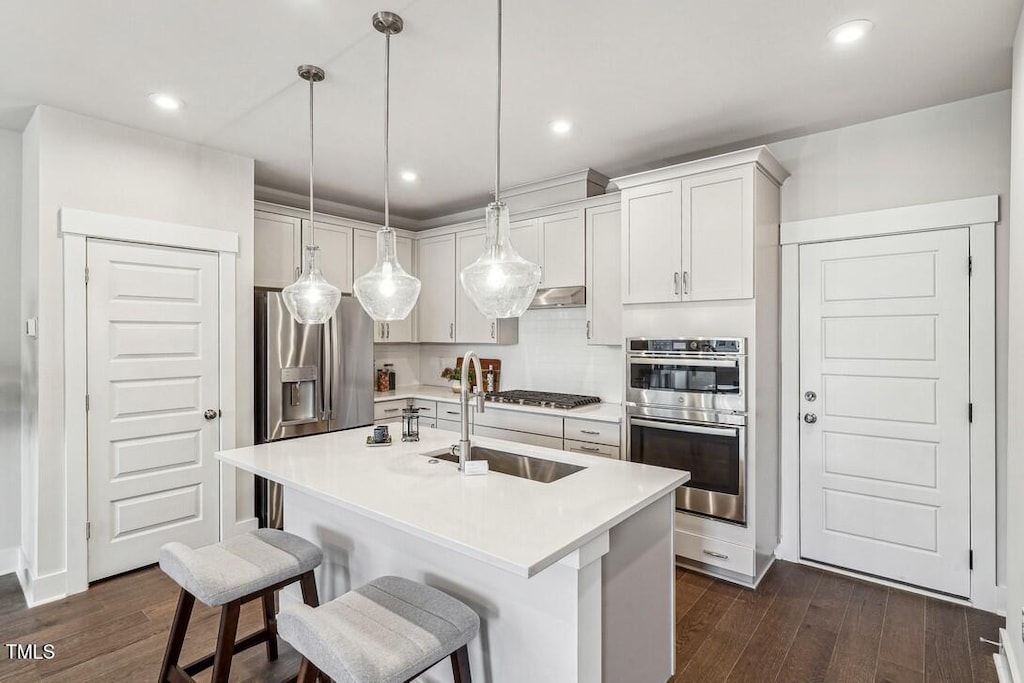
695 362
687 428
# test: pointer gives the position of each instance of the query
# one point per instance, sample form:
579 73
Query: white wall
10 349
951 151
552 355
1015 408
78 162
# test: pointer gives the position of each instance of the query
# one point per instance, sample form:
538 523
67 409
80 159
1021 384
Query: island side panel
530 627
639 597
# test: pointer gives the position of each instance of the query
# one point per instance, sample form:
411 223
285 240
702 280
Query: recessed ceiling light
561 126
165 101
409 176
850 32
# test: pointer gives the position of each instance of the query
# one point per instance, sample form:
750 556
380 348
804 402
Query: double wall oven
686 408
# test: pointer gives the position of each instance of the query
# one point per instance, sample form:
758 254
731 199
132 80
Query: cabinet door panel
719 209
335 244
364 256
652 243
437 297
604 275
471 327
562 242
526 239
277 243
402 330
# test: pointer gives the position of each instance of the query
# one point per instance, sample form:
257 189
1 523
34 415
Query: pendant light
501 283
311 299
387 292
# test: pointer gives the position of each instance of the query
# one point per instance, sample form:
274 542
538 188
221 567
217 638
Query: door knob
810 418
211 414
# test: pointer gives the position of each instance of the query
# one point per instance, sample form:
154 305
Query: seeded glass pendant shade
311 299
501 283
387 292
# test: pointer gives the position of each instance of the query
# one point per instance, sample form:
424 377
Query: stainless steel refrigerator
309 379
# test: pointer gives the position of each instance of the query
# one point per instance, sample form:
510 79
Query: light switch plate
32 327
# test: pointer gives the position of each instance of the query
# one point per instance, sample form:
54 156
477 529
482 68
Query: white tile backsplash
552 355
405 358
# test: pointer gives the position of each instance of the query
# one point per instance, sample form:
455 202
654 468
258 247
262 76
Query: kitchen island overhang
573 579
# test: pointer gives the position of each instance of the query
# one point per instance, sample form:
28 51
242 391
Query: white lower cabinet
449 426
712 551
591 449
389 410
518 437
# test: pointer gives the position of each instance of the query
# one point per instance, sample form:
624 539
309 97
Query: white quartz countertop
600 412
518 525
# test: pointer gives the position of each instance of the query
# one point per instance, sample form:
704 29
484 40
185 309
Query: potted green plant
454 377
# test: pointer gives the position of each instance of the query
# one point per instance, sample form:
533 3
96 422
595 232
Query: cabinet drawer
449 411
592 449
717 553
547 425
519 437
449 426
428 422
427 408
389 409
592 431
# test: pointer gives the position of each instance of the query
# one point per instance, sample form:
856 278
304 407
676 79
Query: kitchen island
573 579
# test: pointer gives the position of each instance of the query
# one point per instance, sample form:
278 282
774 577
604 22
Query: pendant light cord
311 148
497 132
387 121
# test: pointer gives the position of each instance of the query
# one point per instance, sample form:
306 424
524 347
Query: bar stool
389 631
227 575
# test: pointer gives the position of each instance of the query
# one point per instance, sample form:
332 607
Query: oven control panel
687 345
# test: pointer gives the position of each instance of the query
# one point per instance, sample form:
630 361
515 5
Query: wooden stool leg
309 594
307 672
226 642
460 665
176 638
270 624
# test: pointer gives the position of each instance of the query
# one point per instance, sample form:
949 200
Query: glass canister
411 424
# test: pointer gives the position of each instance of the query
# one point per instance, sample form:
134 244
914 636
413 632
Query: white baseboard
1006 661
9 558
39 590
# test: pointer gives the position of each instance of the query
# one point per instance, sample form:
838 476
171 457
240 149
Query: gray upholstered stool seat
388 631
239 566
249 567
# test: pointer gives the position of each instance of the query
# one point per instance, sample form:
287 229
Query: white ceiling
643 80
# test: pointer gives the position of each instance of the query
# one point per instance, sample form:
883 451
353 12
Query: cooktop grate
543 399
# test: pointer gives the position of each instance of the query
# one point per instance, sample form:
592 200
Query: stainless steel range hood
560 297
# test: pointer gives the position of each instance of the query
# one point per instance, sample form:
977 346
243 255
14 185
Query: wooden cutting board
484 364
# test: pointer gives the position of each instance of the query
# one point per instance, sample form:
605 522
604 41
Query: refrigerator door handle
327 370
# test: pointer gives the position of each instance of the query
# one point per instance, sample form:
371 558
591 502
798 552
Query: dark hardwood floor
802 624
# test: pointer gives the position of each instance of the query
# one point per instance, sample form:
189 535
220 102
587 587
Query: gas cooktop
542 399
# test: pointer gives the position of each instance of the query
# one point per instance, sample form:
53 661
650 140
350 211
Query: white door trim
980 215
76 227
952 214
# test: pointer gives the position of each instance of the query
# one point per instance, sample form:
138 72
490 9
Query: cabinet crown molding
760 156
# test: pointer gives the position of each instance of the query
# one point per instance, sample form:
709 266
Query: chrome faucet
464 443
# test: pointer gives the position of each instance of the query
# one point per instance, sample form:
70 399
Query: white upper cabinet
278 246
365 258
438 275
526 239
335 242
688 230
471 326
563 252
718 213
652 243
604 292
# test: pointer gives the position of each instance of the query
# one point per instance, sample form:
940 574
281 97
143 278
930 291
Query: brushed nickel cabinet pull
712 553
590 431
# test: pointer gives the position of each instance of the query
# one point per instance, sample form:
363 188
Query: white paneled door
153 402
885 391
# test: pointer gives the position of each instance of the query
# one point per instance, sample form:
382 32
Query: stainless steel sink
534 469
